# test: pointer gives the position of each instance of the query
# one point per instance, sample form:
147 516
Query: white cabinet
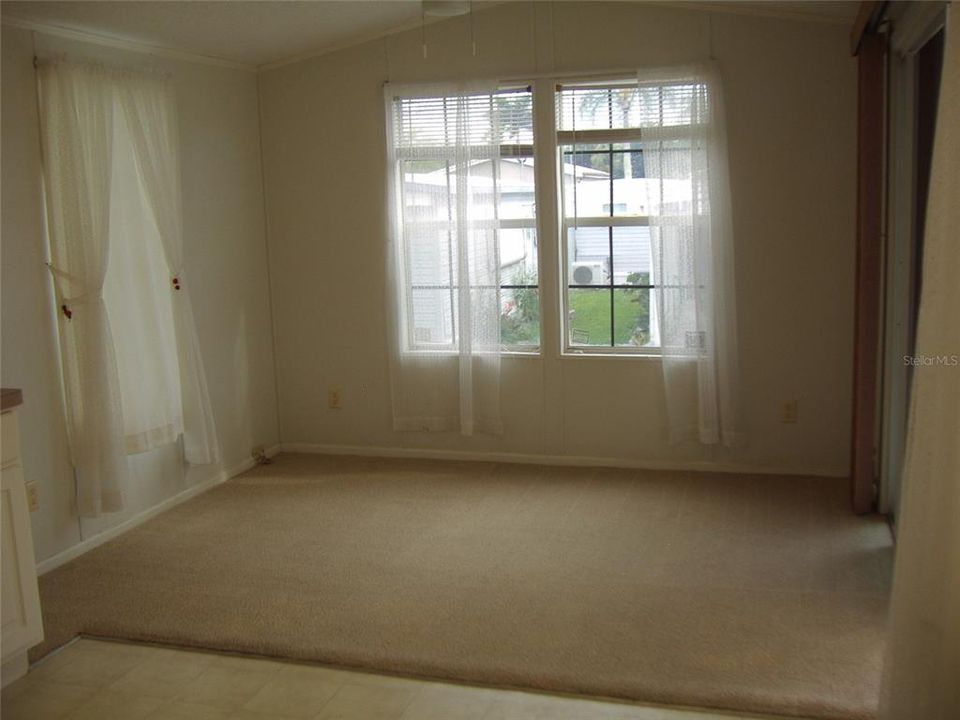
22 626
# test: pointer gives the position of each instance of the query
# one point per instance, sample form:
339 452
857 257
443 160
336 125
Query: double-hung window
643 240
607 201
464 203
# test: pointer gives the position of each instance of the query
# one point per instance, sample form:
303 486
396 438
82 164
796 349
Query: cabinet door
20 613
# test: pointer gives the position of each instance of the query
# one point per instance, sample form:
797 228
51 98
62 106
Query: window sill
532 353
577 354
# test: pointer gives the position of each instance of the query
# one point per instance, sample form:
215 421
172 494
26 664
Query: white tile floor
92 679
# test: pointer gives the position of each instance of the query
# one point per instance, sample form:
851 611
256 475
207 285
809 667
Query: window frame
548 144
566 142
506 150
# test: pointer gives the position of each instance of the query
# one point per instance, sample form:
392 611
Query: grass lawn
590 324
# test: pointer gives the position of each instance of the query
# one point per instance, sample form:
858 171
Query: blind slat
619 106
503 118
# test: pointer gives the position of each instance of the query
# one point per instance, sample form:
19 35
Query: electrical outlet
333 398
789 412
33 496
259 455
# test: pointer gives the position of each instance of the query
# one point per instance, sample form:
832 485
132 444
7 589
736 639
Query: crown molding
120 43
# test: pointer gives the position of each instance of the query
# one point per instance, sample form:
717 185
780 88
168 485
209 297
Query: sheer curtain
443 264
149 108
112 184
684 139
922 673
76 126
137 293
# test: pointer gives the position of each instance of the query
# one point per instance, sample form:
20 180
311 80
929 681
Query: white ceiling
264 32
250 33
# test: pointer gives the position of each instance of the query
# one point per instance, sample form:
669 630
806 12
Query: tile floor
99 680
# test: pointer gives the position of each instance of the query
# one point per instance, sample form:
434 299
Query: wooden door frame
870 48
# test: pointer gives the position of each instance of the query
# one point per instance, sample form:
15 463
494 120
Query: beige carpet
727 591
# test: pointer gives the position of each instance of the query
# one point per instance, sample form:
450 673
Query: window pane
630 188
520 317
589 316
588 256
425 193
517 191
631 314
427 256
518 256
432 317
586 191
607 180
631 255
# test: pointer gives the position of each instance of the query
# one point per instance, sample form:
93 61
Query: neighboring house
431 267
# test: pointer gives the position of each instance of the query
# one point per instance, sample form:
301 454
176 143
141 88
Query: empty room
402 360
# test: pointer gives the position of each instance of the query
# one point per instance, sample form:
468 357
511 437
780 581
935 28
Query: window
644 250
465 203
607 202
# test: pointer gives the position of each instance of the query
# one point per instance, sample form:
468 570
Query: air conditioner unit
588 273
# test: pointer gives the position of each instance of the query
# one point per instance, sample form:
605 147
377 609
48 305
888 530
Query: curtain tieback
82 299
67 303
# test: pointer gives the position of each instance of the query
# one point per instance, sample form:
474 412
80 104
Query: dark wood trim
10 398
867 17
871 113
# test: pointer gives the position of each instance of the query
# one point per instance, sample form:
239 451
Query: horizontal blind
621 105
500 118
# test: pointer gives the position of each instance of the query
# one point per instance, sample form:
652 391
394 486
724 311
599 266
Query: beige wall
226 257
791 91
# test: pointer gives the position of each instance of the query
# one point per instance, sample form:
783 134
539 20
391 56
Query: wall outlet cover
333 398
33 496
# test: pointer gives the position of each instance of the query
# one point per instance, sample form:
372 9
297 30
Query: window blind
629 105
501 118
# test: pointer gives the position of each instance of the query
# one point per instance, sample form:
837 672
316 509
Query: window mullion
610 240
547 217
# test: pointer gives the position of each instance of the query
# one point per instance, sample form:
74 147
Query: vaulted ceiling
258 33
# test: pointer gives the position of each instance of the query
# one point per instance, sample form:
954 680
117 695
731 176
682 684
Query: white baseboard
14 668
90 543
577 460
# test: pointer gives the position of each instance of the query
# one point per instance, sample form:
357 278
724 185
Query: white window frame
401 154
564 139
552 257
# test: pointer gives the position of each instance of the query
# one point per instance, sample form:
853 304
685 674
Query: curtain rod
612 73
565 75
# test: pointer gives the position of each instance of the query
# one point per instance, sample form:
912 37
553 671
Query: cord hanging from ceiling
423 31
473 41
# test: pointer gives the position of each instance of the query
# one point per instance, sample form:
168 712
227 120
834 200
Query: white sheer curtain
443 261
684 139
138 297
112 182
149 108
76 125
922 673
